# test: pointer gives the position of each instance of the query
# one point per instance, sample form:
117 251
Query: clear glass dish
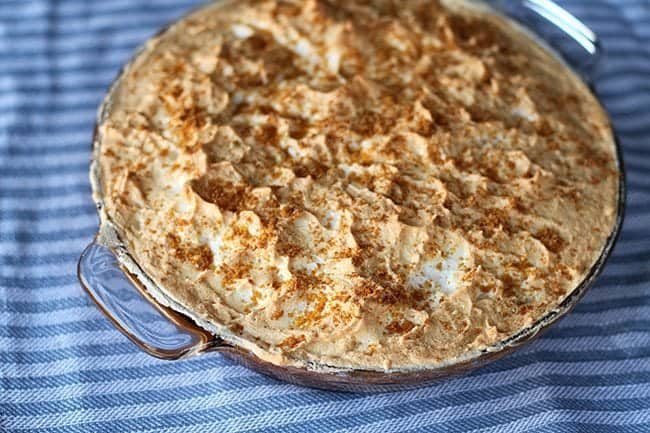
117 285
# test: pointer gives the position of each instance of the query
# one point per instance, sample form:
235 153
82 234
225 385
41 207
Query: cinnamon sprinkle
352 160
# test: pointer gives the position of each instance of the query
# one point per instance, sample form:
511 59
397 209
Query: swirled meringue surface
369 184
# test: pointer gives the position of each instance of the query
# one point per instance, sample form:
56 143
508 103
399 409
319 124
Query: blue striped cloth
64 368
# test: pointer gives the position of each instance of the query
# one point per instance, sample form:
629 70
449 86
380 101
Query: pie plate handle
156 329
571 38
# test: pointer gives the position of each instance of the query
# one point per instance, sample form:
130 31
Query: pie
373 184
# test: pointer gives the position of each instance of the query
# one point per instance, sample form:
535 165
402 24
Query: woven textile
65 368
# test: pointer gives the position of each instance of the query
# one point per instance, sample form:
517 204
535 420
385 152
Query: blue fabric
64 368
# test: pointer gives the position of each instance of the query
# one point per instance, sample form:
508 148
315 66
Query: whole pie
373 184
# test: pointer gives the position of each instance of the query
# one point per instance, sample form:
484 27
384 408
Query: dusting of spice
358 183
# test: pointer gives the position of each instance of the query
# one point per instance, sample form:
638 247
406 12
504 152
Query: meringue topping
360 184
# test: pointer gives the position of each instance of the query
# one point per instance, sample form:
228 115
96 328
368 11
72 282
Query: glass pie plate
118 286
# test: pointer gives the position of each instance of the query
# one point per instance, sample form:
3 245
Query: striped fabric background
64 368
